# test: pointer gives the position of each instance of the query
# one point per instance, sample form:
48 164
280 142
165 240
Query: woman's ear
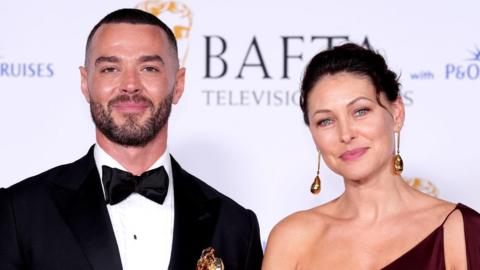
398 111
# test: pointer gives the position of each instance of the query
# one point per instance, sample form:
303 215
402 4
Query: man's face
131 79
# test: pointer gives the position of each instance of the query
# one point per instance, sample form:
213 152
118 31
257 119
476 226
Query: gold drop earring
397 159
317 185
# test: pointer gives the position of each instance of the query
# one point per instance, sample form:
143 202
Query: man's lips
353 154
128 106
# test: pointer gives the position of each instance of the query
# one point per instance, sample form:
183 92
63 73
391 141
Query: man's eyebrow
151 58
109 59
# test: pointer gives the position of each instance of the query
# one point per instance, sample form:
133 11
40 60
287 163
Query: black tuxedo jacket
58 220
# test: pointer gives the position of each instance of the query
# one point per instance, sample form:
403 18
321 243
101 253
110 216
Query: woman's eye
325 122
361 112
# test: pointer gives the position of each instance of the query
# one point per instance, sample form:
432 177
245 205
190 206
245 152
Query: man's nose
131 82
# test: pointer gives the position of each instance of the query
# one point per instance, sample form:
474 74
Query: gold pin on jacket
208 261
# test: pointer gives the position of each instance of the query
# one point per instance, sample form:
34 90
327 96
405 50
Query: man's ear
84 83
179 85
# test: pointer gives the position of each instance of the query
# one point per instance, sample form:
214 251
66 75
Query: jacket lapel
195 219
79 198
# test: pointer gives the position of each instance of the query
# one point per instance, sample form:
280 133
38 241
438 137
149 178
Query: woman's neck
374 198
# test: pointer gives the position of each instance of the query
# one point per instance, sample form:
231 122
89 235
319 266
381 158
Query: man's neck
136 160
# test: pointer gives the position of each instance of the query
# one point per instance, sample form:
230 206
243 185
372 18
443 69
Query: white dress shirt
143 228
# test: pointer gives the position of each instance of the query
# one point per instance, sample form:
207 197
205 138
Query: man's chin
129 137
136 119
129 113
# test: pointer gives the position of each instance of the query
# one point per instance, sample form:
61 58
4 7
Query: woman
351 104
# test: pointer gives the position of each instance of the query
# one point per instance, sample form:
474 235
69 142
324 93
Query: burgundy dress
429 255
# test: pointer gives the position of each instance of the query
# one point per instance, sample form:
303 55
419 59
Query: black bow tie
120 184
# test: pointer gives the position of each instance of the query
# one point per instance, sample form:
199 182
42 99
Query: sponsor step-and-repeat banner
238 125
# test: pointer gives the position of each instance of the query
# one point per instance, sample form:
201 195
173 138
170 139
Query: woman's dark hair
353 59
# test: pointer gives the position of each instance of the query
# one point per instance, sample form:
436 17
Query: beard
132 132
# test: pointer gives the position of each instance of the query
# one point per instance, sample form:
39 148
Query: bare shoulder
454 241
432 210
453 232
303 225
289 239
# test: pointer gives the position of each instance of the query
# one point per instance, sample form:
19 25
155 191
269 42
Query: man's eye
108 69
151 69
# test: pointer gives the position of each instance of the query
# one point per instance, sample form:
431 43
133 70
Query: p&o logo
178 17
469 70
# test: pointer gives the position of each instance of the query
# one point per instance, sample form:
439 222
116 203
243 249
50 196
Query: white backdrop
245 136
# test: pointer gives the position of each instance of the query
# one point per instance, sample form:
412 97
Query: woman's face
352 131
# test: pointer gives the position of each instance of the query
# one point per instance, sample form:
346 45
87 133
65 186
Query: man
127 204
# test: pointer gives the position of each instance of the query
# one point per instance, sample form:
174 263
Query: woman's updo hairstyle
354 59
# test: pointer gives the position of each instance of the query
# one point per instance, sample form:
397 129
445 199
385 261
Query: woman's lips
353 154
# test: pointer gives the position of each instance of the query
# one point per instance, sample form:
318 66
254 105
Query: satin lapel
195 219
80 200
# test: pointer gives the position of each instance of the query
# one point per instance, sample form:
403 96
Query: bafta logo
208 261
178 17
423 186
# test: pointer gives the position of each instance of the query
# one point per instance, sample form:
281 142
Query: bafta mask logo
423 186
178 17
208 261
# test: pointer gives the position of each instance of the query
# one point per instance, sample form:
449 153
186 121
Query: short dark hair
354 59
132 16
